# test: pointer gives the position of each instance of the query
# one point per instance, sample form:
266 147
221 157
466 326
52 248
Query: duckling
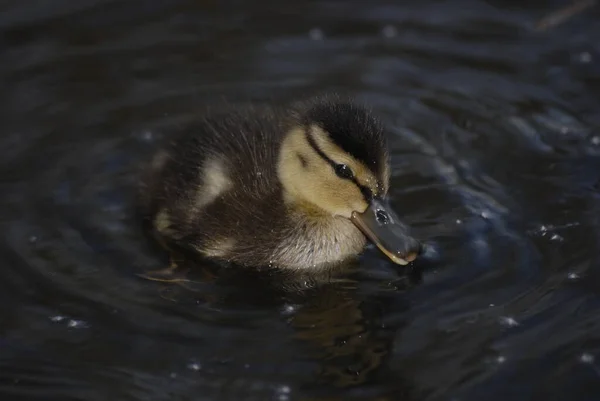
301 187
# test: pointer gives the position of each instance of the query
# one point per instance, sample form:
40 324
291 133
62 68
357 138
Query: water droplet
556 237
283 392
508 321
173 375
573 276
492 305
194 366
595 140
389 31
458 221
485 215
57 318
247 366
501 359
585 57
33 239
586 358
76 324
146 136
316 34
288 309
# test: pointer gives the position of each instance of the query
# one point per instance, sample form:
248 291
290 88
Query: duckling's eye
343 171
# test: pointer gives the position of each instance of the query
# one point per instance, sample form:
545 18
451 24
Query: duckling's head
334 162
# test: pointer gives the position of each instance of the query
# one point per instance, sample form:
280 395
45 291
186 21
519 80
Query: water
496 157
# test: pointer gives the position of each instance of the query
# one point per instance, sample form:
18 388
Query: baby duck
300 187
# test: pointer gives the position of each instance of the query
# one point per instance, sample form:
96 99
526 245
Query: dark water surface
496 156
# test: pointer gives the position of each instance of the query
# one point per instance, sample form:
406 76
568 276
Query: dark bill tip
381 225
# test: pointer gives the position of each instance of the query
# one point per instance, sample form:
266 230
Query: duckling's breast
317 243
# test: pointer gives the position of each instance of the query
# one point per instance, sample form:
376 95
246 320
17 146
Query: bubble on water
573 276
33 239
289 309
550 229
492 305
389 31
508 321
194 366
283 392
595 140
585 57
147 136
316 34
586 358
458 221
71 323
77 324
544 230
500 359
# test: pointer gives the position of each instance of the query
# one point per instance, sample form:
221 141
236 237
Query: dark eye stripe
366 192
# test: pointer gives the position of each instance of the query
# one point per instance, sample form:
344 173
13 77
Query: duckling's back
215 184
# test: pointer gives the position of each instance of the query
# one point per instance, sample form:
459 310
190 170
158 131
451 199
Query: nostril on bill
382 216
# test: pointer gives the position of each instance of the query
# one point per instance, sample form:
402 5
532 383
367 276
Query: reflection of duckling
296 187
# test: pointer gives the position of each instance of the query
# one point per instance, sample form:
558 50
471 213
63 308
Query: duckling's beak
381 225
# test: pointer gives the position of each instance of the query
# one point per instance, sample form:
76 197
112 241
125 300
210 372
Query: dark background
496 148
